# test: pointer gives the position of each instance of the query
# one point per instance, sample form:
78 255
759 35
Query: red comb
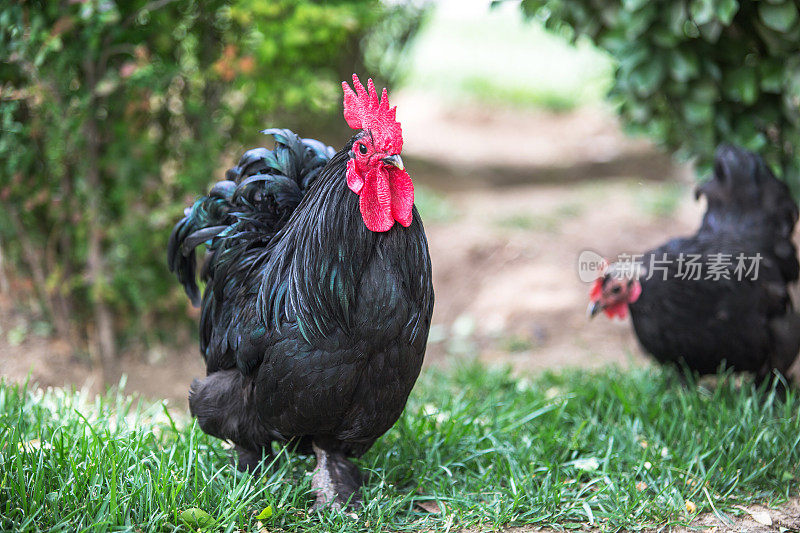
363 110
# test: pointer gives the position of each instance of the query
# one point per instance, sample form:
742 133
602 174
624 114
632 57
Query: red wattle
619 310
385 194
402 190
375 202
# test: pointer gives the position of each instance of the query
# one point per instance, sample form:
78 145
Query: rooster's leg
223 409
336 480
249 460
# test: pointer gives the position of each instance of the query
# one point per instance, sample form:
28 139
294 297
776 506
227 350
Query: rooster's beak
593 309
394 160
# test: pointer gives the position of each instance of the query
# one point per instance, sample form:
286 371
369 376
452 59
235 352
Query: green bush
115 115
695 73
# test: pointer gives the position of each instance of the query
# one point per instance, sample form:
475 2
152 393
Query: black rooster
317 306
720 295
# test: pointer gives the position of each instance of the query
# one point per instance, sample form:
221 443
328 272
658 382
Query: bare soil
505 271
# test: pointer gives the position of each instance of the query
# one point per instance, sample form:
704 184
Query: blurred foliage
295 54
450 63
695 73
115 115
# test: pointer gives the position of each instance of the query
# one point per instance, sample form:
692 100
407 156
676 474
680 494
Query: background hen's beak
593 309
394 160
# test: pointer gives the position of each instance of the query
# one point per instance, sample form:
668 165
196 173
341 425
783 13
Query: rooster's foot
335 480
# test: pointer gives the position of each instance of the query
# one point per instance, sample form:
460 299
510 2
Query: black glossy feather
312 326
745 323
258 194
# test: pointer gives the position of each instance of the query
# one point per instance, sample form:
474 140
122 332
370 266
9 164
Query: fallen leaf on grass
762 517
265 513
587 464
429 506
195 517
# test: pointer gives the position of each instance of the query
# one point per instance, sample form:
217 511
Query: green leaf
637 23
637 113
711 31
676 16
658 129
690 29
755 141
741 85
726 10
791 96
697 113
664 37
610 15
722 125
631 57
779 17
265 513
615 42
195 517
772 75
702 11
683 65
647 77
633 5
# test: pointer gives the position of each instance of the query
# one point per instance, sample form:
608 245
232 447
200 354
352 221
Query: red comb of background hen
363 110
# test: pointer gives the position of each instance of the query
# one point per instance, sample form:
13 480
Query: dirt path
463 147
506 276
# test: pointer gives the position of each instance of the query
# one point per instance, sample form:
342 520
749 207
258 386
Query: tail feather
243 212
207 218
745 196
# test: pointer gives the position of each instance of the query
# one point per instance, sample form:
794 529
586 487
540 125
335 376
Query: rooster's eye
362 149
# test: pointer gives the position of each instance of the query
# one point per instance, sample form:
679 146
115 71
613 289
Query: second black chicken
722 294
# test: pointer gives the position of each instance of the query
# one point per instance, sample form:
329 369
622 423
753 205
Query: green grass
609 449
467 51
